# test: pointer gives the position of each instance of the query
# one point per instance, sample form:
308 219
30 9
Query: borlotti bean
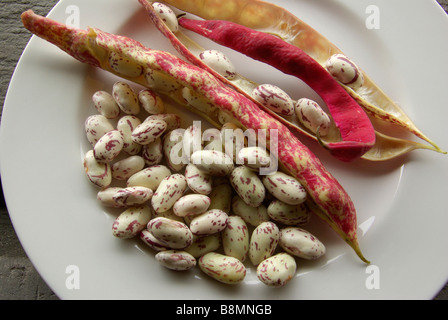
192 140
125 168
108 146
126 126
204 244
213 162
132 196
177 260
278 270
219 62
263 242
274 98
148 131
167 15
248 186
170 215
152 152
301 243
345 71
151 102
312 116
173 151
290 215
210 222
173 234
254 157
130 222
149 177
126 98
285 188
233 139
168 192
197 180
105 197
221 197
252 215
222 268
198 102
172 120
105 104
100 174
191 205
97 126
161 82
124 66
151 241
235 238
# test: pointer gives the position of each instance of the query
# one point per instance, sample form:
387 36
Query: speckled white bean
177 260
152 152
235 238
105 197
277 271
148 131
173 151
169 214
301 243
210 222
124 66
173 234
125 168
168 192
172 120
225 269
274 98
192 140
130 222
290 215
151 241
248 186
254 157
345 71
219 62
197 180
263 242
149 177
233 140
191 204
167 15
105 104
151 102
213 162
109 146
131 196
221 196
204 244
285 188
97 126
160 82
312 116
126 98
252 215
126 125
100 174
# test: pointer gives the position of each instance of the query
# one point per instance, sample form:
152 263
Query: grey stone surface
19 280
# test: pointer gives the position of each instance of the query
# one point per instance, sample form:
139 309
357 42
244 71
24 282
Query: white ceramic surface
401 204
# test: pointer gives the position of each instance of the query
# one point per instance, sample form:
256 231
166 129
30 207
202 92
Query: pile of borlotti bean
195 201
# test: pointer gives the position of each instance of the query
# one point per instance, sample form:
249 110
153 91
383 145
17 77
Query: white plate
61 225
